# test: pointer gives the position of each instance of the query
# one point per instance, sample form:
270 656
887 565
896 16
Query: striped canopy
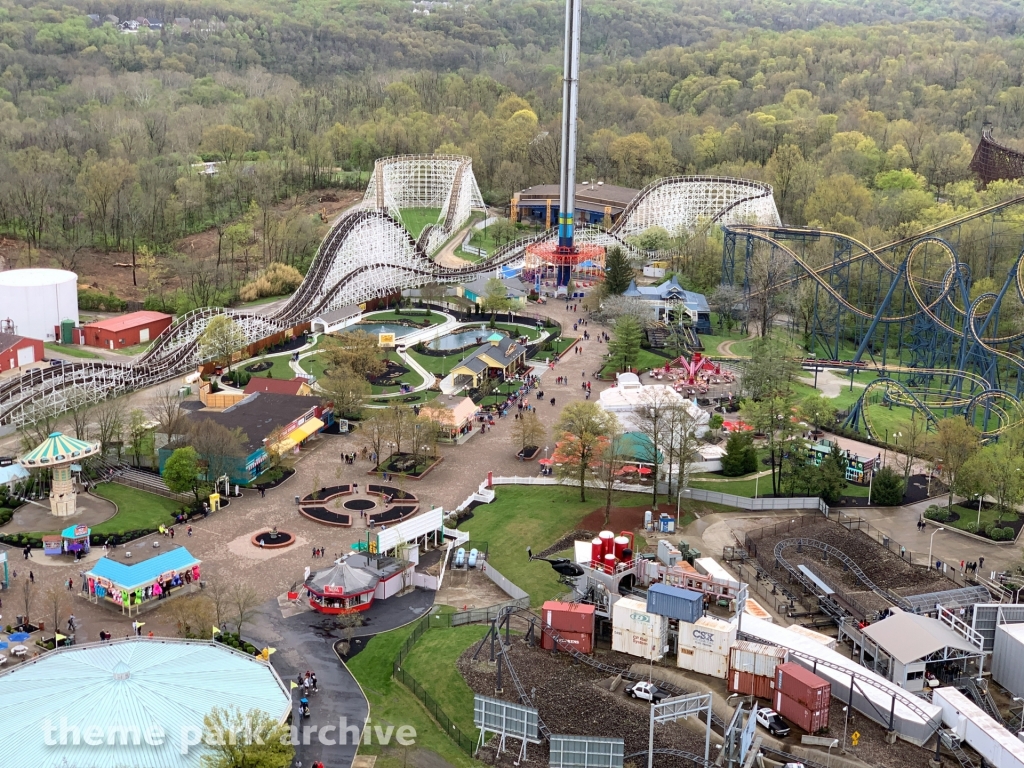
58 449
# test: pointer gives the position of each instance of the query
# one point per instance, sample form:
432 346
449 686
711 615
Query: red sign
81 530
330 589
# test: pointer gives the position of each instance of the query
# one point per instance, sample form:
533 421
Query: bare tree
27 595
611 461
110 423
245 601
166 411
683 442
768 270
192 615
528 431
220 447
653 421
220 601
56 601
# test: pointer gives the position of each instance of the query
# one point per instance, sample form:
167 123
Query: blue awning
142 574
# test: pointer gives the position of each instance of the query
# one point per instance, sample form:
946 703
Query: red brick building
126 330
16 351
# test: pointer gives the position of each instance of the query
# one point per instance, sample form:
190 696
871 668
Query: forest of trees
863 121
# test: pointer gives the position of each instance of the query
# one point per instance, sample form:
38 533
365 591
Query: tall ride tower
566 254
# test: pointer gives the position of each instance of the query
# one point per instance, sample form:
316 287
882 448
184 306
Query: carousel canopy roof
144 573
133 684
58 449
345 579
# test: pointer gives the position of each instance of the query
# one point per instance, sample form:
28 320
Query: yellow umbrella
265 654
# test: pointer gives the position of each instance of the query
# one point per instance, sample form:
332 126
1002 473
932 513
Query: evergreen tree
833 476
618 273
887 488
740 457
625 344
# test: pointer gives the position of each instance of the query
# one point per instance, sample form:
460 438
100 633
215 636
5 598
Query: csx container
675 603
757 658
802 686
636 631
568 617
581 641
810 720
708 634
703 662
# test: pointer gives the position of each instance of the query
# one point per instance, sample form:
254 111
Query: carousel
62 456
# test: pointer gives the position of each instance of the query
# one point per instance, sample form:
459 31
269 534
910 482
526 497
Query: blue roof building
134 586
669 302
133 699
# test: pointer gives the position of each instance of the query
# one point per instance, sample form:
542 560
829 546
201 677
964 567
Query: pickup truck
646 691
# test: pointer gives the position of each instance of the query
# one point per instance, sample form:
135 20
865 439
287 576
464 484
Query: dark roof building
593 201
500 357
261 413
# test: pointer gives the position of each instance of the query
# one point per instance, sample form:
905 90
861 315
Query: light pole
897 436
846 724
756 478
814 357
834 743
931 539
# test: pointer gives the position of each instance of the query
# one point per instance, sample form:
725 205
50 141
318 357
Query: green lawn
535 516
393 704
281 369
470 257
645 361
409 315
422 396
561 344
135 509
258 302
432 663
411 377
969 514
441 366
71 350
137 349
416 219
741 487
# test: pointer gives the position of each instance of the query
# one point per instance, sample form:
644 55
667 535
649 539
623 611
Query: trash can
296 499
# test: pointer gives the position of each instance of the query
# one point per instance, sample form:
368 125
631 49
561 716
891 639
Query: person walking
32 577
189 531
981 562
71 623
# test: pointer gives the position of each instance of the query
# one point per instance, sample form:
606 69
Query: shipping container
633 615
703 662
810 634
751 685
681 604
638 644
568 617
755 609
581 641
668 554
757 658
810 720
802 686
708 634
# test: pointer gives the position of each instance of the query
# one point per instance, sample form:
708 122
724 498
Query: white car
769 719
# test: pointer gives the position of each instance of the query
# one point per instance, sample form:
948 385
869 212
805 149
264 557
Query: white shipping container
708 634
632 615
642 645
810 634
757 658
703 662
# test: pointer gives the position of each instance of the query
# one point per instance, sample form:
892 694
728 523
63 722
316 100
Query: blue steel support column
570 99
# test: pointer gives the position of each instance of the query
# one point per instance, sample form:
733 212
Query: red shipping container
810 720
749 684
803 686
568 617
581 641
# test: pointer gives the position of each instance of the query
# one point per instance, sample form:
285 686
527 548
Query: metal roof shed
902 646
129 688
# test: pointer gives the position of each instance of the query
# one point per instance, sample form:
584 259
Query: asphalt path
306 642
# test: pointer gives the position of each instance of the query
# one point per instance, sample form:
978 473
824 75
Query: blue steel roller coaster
915 311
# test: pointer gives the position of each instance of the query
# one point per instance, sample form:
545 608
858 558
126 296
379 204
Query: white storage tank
636 631
37 300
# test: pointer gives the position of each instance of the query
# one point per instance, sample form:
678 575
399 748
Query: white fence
425 581
756 505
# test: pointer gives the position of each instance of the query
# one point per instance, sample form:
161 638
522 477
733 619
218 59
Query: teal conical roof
58 449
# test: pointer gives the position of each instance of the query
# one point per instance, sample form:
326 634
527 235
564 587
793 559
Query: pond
375 328
467 338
